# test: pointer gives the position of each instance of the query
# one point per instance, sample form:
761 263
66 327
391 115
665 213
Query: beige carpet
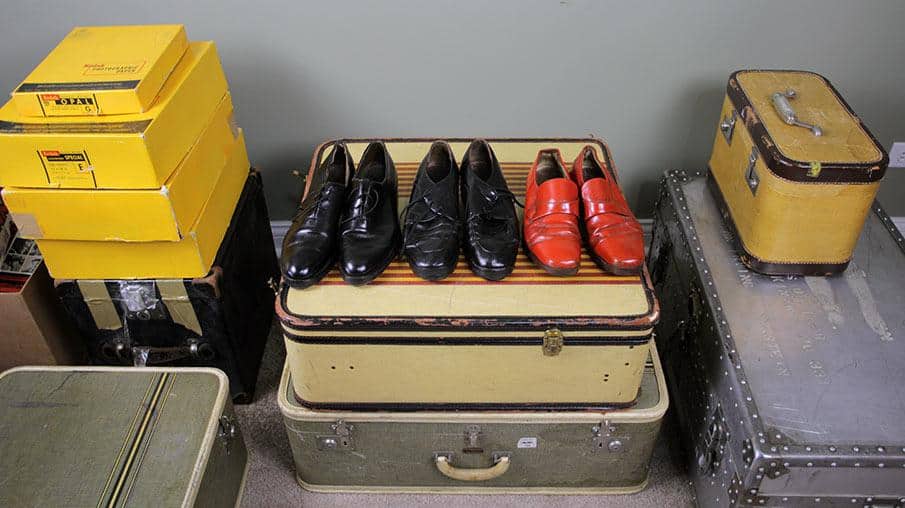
271 477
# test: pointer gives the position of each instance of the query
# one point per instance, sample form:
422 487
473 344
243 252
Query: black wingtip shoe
369 228
491 224
310 245
432 225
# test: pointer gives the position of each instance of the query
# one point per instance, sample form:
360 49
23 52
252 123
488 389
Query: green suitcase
536 452
118 437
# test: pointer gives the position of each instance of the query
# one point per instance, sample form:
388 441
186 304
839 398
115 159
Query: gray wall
646 76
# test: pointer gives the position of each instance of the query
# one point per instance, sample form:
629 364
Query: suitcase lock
553 340
227 431
727 125
604 438
341 439
750 174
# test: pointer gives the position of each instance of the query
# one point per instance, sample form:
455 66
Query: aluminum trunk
788 390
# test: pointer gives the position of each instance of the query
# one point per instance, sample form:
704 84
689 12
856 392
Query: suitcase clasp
553 340
750 174
341 439
727 125
227 431
605 438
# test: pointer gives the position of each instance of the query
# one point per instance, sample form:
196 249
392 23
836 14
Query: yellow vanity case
190 257
794 170
91 153
140 215
102 70
529 341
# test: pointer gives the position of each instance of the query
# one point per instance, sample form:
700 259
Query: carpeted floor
271 476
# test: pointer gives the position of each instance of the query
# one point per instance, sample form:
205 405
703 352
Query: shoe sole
361 280
431 275
489 273
309 281
612 269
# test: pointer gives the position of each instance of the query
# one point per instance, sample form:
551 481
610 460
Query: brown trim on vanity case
797 171
759 265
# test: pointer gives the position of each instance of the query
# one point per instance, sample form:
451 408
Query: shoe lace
490 201
432 214
309 209
365 199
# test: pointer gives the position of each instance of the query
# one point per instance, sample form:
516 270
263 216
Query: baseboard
280 227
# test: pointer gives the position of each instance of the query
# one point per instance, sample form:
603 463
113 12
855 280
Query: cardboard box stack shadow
123 162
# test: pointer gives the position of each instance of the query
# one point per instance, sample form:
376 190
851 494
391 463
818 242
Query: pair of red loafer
554 201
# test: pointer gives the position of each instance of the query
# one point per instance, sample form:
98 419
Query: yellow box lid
190 257
103 70
126 215
135 151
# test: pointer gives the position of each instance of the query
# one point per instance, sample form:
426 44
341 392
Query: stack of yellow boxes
120 156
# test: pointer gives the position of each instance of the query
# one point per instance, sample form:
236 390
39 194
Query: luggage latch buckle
341 439
553 340
227 431
727 125
750 172
604 438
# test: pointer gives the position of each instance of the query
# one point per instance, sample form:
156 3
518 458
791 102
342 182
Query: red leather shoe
615 238
552 237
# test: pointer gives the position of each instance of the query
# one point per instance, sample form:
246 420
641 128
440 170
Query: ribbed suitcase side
554 452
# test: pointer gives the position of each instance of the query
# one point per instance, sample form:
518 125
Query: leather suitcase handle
472 475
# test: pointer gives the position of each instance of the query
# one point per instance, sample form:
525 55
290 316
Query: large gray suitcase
788 390
556 452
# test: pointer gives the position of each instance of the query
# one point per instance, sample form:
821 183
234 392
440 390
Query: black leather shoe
310 246
491 224
431 231
369 230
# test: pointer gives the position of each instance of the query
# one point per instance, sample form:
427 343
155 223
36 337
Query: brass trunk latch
553 339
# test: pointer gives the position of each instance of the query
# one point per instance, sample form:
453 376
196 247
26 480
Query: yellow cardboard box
79 153
190 257
166 213
102 70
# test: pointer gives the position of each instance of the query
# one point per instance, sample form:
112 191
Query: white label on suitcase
527 442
